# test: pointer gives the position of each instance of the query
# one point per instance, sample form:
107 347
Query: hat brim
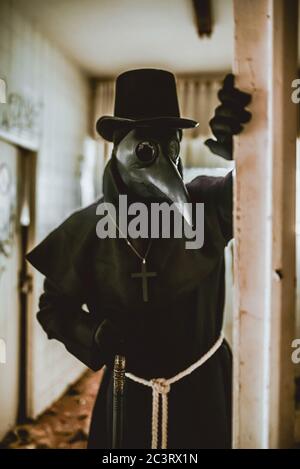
107 125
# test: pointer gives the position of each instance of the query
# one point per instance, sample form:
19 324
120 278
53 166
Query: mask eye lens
173 150
146 152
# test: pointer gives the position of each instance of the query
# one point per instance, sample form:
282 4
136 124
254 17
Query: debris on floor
65 425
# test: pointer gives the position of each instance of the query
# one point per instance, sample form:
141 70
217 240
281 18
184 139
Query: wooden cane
118 401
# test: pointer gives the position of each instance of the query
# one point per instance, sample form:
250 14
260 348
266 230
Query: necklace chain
143 258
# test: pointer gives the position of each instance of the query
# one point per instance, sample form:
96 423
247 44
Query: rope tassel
160 388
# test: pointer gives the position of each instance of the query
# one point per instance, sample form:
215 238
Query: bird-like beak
163 182
156 181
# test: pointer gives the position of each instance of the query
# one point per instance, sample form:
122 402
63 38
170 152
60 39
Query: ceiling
106 37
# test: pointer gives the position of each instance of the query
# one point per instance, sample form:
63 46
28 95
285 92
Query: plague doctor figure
152 300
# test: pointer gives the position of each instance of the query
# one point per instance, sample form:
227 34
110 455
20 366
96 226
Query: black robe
181 321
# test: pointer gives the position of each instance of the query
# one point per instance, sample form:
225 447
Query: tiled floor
64 425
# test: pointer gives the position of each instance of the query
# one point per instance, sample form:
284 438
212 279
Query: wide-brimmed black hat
144 97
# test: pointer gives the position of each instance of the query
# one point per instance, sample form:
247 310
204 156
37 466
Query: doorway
16 215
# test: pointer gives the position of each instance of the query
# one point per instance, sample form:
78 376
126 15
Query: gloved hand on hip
111 338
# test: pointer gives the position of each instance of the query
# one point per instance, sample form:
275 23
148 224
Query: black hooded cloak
180 322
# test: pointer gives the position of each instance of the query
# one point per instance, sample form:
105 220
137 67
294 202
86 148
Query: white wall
31 64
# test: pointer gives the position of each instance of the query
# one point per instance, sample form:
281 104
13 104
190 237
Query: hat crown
146 93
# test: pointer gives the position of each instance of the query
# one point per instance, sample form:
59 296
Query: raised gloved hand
228 119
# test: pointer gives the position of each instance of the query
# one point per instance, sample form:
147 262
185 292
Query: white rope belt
161 387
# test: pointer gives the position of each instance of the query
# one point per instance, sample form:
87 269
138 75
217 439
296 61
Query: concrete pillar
264 219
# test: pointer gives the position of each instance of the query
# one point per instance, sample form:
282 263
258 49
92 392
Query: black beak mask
148 163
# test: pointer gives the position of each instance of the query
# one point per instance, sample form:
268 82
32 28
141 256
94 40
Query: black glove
114 336
93 341
228 118
110 340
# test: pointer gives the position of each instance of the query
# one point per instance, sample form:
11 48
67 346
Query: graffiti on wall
7 214
21 115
